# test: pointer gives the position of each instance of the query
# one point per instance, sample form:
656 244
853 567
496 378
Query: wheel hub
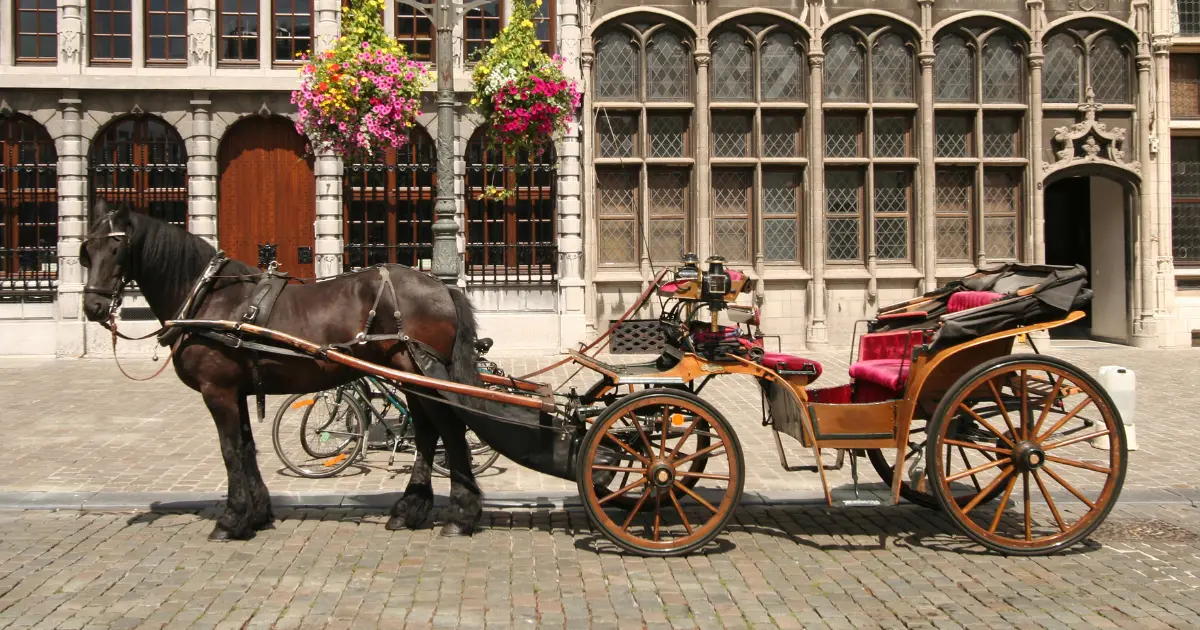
1028 456
662 475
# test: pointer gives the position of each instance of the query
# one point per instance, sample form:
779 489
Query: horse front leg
244 509
466 499
412 509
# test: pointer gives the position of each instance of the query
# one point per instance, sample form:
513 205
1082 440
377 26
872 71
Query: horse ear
99 210
120 218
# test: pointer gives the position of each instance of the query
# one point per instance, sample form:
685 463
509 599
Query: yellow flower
537 3
527 24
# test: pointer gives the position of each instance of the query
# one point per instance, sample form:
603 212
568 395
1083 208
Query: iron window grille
28 211
142 161
870 98
37 31
389 206
512 241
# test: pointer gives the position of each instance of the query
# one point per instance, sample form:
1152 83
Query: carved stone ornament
137 110
200 41
926 60
264 111
68 43
1090 141
816 60
5 108
1161 44
1087 5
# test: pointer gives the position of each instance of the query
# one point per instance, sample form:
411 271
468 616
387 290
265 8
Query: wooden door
267 194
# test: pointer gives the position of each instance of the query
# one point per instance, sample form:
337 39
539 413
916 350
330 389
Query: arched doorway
1088 221
266 195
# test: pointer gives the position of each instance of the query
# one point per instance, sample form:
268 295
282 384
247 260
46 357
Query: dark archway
266 195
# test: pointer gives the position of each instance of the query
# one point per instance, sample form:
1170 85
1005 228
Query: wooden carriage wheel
673 514
1058 459
914 488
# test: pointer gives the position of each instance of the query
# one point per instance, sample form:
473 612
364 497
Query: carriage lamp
716 279
690 269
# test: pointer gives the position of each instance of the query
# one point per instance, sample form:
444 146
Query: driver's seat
483 345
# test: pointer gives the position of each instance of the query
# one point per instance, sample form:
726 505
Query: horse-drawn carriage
947 415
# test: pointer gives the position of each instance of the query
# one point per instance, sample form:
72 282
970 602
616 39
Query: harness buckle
252 314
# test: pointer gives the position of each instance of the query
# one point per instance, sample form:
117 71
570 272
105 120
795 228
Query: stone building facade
849 155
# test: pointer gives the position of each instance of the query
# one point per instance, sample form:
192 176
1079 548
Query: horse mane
174 257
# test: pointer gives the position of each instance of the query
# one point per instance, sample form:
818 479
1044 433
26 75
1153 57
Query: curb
197 501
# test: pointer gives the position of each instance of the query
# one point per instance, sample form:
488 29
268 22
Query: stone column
572 321
72 227
927 210
703 158
817 335
201 44
1160 155
202 171
1034 239
588 198
1145 332
327 230
70 36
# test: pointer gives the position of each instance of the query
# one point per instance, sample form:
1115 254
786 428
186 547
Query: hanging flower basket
360 98
521 91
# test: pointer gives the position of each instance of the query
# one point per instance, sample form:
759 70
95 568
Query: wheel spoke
686 434
657 514
1003 410
703 451
1065 419
978 447
1025 406
628 448
1049 501
1077 464
698 475
1028 512
632 513
624 469
978 469
666 426
1012 483
977 499
699 499
622 491
1063 482
637 424
987 425
1049 403
1077 438
679 508
974 480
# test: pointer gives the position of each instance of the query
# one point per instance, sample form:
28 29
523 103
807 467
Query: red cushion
890 373
790 362
706 335
964 300
889 345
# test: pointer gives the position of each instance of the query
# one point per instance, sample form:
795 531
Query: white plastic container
1121 385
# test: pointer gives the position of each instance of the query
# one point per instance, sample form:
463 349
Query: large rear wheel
677 508
1058 459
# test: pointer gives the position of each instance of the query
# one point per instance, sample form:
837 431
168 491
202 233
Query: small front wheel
1041 432
678 509
319 435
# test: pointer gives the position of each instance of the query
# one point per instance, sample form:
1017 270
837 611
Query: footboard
837 424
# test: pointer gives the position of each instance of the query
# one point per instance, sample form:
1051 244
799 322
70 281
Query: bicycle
337 426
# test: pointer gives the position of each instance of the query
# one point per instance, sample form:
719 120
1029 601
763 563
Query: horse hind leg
249 505
412 509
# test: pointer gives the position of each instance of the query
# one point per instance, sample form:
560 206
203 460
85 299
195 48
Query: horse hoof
396 524
452 530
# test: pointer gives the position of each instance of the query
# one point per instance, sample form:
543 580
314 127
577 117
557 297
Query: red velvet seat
889 373
964 300
791 363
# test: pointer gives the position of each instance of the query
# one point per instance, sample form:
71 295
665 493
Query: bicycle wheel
482 456
319 435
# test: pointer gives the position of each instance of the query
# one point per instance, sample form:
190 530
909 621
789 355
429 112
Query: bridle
116 297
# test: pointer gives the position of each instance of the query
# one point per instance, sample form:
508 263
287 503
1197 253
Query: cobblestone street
90 439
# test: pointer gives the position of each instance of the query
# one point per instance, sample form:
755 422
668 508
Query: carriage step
858 503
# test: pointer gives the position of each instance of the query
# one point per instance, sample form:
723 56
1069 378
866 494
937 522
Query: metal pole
445 228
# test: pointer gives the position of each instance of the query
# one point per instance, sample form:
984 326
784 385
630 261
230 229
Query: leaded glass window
731 210
954 71
668 68
892 70
732 68
1185 85
782 202
1109 66
844 70
893 201
843 209
1060 74
1001 205
1185 200
1185 16
952 201
891 136
1001 71
643 155
843 136
952 135
782 69
1001 136
731 135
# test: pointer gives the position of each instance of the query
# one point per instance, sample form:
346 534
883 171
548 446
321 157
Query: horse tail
463 368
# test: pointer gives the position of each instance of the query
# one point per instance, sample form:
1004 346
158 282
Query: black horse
167 263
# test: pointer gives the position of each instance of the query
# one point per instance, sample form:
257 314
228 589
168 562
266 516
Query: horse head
107 257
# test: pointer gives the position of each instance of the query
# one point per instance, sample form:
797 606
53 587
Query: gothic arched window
389 206
1077 61
141 160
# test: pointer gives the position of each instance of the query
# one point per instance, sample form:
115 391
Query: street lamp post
445 14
